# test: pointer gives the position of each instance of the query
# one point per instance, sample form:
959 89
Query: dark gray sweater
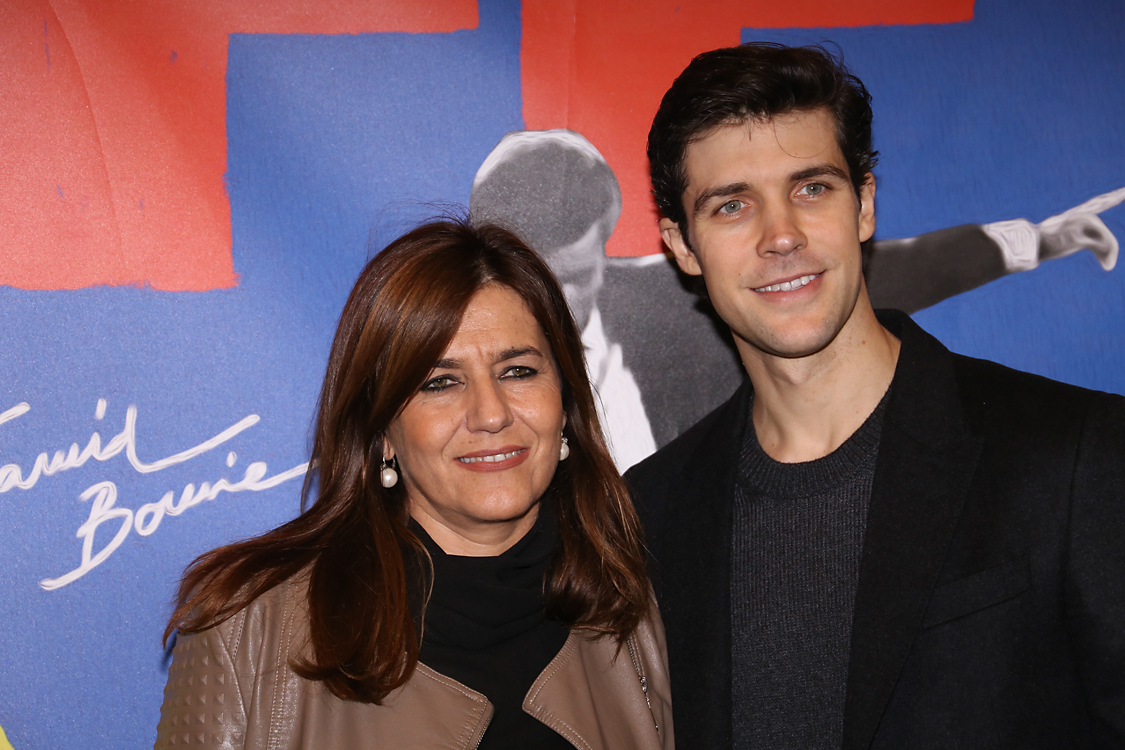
797 538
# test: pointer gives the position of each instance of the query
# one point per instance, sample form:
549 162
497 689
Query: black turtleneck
486 627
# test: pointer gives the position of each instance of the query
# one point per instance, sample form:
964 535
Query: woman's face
479 443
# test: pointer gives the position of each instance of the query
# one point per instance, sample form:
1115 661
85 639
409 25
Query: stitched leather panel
201 705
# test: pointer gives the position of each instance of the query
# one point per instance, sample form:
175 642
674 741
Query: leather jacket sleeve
204 702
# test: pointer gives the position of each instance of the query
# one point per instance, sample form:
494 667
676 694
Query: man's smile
790 285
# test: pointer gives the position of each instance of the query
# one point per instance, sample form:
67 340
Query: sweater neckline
758 471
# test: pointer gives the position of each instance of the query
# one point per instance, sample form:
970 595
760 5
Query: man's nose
781 232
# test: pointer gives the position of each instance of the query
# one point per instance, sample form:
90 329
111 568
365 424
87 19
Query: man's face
775 229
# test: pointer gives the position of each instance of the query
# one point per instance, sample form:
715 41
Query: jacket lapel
927 457
696 570
591 693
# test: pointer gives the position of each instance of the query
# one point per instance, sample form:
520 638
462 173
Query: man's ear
674 241
867 208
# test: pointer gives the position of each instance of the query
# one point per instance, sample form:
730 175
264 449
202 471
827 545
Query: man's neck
806 407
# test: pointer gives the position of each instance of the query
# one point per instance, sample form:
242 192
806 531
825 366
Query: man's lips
495 459
789 285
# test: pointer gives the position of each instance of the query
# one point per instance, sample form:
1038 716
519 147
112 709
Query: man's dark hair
756 81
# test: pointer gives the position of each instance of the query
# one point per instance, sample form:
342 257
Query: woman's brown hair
354 538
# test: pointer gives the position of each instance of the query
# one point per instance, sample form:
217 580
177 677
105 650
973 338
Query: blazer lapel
927 457
696 574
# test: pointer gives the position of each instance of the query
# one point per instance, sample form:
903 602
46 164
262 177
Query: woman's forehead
497 321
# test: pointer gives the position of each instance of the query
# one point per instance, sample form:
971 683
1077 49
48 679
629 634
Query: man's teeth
489 459
788 286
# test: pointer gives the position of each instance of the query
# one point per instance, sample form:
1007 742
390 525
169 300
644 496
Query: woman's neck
473 540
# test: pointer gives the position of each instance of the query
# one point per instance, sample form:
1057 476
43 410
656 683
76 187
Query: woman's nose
488 407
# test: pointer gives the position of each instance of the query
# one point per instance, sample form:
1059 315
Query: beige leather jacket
231 687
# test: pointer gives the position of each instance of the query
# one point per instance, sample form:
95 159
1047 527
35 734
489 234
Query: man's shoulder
716 431
995 396
991 396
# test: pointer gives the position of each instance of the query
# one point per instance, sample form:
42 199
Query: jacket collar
927 457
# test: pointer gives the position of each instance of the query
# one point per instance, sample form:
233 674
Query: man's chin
798 350
792 343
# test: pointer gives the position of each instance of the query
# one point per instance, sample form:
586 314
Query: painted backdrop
189 189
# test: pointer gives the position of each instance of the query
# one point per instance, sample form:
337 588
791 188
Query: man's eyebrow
723 191
719 191
819 170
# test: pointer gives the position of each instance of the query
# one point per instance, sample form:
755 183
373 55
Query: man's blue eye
814 189
730 207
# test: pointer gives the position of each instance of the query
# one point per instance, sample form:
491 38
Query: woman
471 573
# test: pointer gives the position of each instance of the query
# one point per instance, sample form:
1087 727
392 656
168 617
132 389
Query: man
555 190
875 542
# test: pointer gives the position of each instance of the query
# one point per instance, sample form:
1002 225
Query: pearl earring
388 477
564 449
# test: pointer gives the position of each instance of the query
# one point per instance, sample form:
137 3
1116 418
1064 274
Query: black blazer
990 611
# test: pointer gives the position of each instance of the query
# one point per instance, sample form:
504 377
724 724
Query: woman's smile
494 460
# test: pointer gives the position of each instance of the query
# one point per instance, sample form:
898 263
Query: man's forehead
801 134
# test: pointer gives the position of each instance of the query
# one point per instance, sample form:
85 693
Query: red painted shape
600 68
113 130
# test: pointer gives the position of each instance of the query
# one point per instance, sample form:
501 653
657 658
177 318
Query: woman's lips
496 459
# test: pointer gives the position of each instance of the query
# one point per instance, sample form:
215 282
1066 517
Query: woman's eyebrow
448 363
518 351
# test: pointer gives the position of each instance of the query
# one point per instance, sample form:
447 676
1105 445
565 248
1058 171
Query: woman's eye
440 383
519 372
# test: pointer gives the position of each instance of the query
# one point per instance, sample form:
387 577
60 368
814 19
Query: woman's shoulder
273 619
283 600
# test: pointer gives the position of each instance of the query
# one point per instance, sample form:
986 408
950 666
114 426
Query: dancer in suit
875 543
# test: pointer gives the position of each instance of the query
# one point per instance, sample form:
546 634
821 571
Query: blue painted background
335 145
